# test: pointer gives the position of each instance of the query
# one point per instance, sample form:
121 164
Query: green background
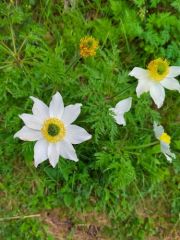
121 175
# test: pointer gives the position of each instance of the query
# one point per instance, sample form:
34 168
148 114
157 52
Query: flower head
158 69
120 109
165 141
88 46
53 130
155 78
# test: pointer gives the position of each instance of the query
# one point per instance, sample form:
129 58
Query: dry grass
87 226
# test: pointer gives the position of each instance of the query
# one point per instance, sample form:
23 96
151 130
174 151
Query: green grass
119 173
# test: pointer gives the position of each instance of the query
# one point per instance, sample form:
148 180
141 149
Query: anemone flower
159 75
165 141
53 130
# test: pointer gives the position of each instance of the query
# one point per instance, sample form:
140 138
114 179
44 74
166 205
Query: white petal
169 159
158 94
142 87
76 134
66 150
171 84
144 82
123 106
139 73
158 130
40 109
53 154
56 107
40 152
31 121
28 134
165 148
174 71
71 113
120 119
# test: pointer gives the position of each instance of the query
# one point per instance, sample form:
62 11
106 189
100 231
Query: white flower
53 130
158 75
165 141
120 109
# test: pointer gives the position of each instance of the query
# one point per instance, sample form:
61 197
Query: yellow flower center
88 46
158 69
53 130
165 138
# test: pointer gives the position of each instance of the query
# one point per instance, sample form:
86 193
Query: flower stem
126 89
142 146
13 39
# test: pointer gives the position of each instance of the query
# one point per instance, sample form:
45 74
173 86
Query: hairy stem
142 146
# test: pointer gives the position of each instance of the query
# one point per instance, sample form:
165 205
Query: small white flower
165 141
158 75
53 130
120 109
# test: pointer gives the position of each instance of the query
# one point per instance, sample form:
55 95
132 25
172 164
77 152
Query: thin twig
20 217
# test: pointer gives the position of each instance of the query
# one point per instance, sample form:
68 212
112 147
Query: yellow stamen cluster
53 130
158 69
88 46
165 138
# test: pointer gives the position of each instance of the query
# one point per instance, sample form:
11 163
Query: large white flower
53 130
120 109
158 75
165 141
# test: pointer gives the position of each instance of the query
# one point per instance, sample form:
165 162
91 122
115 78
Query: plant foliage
119 168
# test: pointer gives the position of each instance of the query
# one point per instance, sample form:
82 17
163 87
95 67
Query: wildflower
120 109
157 76
53 130
165 141
88 46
